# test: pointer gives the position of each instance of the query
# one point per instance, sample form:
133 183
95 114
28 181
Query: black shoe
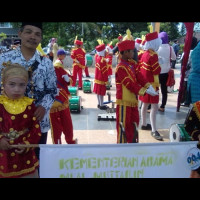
156 135
98 106
103 107
88 76
147 127
80 88
185 105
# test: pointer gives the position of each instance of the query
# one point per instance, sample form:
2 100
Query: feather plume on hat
128 35
100 41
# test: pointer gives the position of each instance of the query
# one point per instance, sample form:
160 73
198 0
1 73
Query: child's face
62 57
15 87
129 53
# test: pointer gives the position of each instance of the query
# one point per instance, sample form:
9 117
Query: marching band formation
38 94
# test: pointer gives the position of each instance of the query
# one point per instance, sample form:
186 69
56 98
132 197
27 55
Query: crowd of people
35 97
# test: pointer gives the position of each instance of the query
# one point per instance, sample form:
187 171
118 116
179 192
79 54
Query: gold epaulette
152 52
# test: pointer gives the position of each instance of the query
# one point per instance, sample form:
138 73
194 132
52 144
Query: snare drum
89 60
87 86
177 133
75 104
73 90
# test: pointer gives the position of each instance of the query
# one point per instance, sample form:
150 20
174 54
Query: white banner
147 160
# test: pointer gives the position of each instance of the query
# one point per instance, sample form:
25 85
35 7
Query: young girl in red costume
150 70
17 126
109 55
60 116
78 56
101 75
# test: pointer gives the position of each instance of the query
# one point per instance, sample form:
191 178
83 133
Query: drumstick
25 145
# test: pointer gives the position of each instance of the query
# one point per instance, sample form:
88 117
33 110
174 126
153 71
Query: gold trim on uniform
142 91
25 116
57 106
100 82
196 107
13 117
28 162
12 154
37 126
15 106
14 166
1 119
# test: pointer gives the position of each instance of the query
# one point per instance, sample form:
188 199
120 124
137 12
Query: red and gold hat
100 47
126 45
120 37
151 36
138 40
78 42
143 42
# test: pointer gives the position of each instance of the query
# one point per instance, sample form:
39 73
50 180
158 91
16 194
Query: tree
2 36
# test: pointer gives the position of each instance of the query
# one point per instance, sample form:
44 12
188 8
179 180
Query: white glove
150 90
66 78
77 61
107 60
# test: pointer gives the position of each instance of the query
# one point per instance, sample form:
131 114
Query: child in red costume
101 75
150 70
18 125
78 56
109 55
60 116
129 84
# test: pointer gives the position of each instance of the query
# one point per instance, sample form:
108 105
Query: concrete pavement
88 130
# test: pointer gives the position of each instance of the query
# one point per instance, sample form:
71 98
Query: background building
11 34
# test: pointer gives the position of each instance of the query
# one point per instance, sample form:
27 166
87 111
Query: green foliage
2 36
65 32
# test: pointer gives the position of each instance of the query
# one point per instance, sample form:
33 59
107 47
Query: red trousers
61 122
86 71
77 70
129 116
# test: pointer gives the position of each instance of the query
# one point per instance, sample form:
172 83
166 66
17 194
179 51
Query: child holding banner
18 126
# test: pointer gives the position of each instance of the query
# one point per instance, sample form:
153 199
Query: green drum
73 90
89 60
177 133
75 104
87 88
108 86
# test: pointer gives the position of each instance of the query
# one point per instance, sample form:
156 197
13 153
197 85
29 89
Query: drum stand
111 112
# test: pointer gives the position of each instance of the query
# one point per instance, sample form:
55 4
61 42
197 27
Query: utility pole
82 30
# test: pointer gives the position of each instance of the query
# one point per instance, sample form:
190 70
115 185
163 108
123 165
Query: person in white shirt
165 55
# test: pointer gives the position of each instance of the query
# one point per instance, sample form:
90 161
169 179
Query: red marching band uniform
141 44
19 125
109 55
78 54
150 70
101 72
129 84
60 116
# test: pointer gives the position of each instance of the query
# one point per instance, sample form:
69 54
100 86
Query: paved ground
88 130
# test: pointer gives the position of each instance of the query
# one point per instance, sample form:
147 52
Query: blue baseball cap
61 52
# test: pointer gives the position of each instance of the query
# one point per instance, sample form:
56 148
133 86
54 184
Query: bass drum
87 86
89 60
177 133
75 104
